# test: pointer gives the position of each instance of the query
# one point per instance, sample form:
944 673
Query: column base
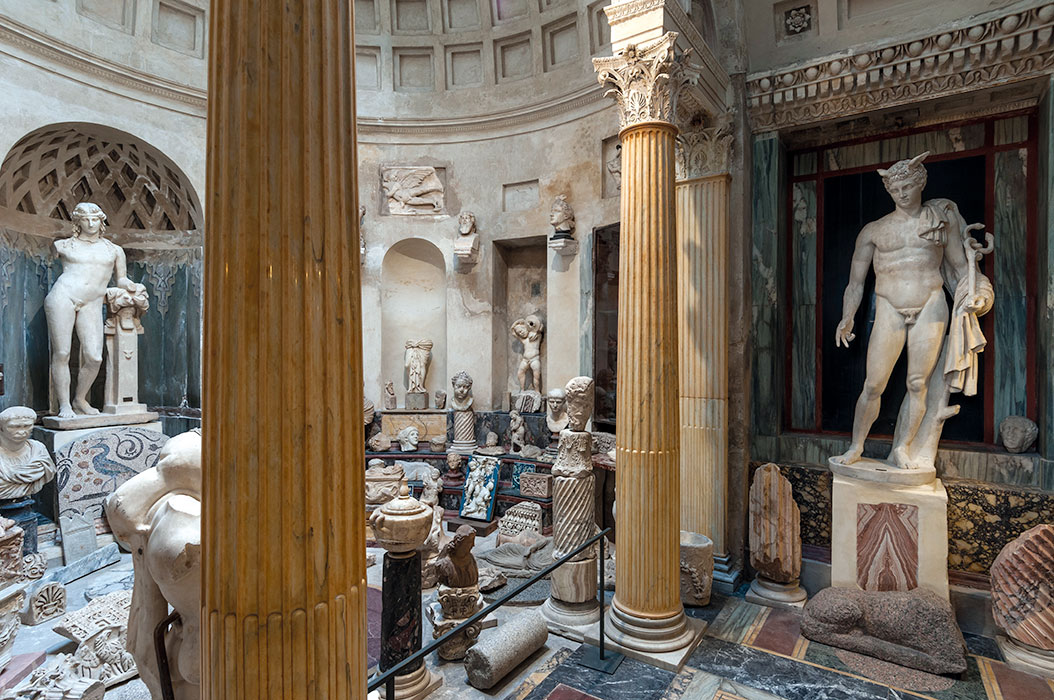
571 620
726 576
776 595
889 536
415 685
464 448
646 646
1028 659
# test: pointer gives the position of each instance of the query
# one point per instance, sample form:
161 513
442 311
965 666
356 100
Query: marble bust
917 251
25 465
579 393
556 410
75 304
408 438
466 247
562 218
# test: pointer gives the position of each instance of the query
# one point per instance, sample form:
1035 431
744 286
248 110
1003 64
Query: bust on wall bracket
562 219
466 247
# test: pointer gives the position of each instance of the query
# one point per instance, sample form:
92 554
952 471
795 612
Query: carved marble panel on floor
46 603
93 467
519 518
100 630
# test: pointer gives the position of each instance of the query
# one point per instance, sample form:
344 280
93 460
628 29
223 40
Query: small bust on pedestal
25 466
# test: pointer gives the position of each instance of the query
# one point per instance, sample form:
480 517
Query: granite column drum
284 590
646 614
702 310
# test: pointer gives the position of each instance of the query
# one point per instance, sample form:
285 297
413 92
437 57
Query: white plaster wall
564 158
165 38
37 93
838 25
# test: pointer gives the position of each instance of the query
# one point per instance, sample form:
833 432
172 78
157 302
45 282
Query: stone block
536 485
429 424
417 401
78 536
504 648
889 537
19 668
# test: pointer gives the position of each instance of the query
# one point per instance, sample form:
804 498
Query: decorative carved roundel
50 170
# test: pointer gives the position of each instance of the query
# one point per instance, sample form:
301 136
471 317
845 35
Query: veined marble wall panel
1011 259
1045 293
766 277
803 305
25 276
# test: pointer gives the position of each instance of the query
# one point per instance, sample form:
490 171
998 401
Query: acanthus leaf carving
645 80
703 152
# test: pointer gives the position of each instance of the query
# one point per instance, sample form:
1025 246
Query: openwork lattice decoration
49 171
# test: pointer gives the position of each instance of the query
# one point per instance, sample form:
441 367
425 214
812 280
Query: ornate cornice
704 152
19 35
987 51
645 80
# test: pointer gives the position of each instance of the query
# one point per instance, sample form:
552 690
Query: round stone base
883 471
1026 658
558 613
415 685
787 593
652 635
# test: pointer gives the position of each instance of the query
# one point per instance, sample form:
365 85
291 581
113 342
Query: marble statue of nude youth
75 304
915 250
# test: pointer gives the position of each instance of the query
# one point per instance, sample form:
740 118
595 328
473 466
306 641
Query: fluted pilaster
283 514
646 613
702 309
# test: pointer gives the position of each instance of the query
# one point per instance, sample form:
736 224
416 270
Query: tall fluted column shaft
647 430
283 514
702 309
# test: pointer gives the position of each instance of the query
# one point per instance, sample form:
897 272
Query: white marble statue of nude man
529 331
75 304
915 250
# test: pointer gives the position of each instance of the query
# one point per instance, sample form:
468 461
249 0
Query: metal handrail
387 678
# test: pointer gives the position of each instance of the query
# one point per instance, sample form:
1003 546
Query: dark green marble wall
1045 295
169 350
803 306
766 283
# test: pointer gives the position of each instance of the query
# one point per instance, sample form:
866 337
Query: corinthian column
646 614
283 516
702 310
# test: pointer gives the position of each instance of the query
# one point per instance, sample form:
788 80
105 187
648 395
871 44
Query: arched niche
413 307
153 212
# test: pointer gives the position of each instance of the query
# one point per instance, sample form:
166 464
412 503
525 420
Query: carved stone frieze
986 51
645 80
704 152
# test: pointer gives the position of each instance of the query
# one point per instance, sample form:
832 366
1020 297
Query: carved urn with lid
402 524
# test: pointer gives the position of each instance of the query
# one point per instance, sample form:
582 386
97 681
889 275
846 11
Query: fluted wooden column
702 309
283 514
646 613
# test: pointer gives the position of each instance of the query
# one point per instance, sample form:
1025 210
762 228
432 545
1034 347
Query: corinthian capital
703 152
645 80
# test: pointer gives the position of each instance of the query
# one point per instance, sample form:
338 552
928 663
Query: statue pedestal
100 420
889 536
56 439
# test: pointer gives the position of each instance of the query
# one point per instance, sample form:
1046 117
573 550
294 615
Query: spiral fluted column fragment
283 514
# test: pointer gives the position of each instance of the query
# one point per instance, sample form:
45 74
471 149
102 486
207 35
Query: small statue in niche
915 251
408 438
389 397
529 330
25 465
418 356
75 303
562 218
517 432
466 247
